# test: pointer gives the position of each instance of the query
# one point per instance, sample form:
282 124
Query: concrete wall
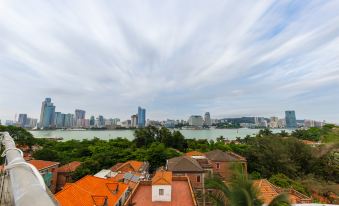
167 193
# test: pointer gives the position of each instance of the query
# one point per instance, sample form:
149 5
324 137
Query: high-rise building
274 122
22 120
80 114
69 120
92 121
134 120
141 117
207 120
47 114
196 120
59 120
290 119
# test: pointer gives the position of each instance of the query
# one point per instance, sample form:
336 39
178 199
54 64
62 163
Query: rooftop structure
269 191
164 190
90 190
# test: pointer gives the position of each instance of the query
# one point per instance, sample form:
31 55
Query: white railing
27 185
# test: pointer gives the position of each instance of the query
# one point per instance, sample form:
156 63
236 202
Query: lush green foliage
240 192
283 181
20 135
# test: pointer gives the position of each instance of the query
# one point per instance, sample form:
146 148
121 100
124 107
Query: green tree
240 192
20 135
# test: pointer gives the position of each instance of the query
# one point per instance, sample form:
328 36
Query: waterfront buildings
141 117
22 120
134 120
92 121
80 118
169 123
274 122
196 120
47 114
207 119
290 119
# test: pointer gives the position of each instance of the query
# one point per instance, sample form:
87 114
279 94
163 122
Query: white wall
167 193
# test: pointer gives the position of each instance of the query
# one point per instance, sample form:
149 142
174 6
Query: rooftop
184 164
90 190
162 177
181 194
129 166
194 153
218 155
70 167
42 164
268 192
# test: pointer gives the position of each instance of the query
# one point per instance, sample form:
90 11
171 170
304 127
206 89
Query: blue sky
174 57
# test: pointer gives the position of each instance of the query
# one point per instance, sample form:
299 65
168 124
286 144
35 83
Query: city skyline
231 59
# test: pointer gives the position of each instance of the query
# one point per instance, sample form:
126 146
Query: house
64 174
163 190
222 162
130 172
187 166
268 192
93 191
131 166
48 171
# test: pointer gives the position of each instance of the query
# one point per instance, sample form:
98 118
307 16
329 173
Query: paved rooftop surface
181 195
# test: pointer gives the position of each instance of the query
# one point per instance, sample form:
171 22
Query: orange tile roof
194 153
128 166
90 190
162 177
267 190
70 167
41 164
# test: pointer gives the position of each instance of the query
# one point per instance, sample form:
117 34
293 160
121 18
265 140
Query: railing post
26 182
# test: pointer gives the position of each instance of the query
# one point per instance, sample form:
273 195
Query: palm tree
239 192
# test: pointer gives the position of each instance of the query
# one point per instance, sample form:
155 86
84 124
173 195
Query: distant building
290 119
47 114
134 120
274 122
207 119
31 123
60 120
169 123
141 117
196 120
92 121
9 122
100 121
281 123
69 120
22 120
80 114
126 123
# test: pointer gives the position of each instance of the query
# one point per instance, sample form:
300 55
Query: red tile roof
42 164
162 177
181 195
128 166
194 153
269 191
90 190
70 167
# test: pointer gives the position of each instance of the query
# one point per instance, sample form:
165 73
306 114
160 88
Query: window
198 178
218 165
161 192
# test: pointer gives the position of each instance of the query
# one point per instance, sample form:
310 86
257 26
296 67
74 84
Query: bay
230 134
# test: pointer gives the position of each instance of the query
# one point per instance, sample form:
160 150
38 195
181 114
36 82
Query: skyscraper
291 121
80 114
59 120
47 114
92 121
22 120
134 120
141 117
207 120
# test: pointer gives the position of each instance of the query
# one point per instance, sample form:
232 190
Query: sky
175 58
